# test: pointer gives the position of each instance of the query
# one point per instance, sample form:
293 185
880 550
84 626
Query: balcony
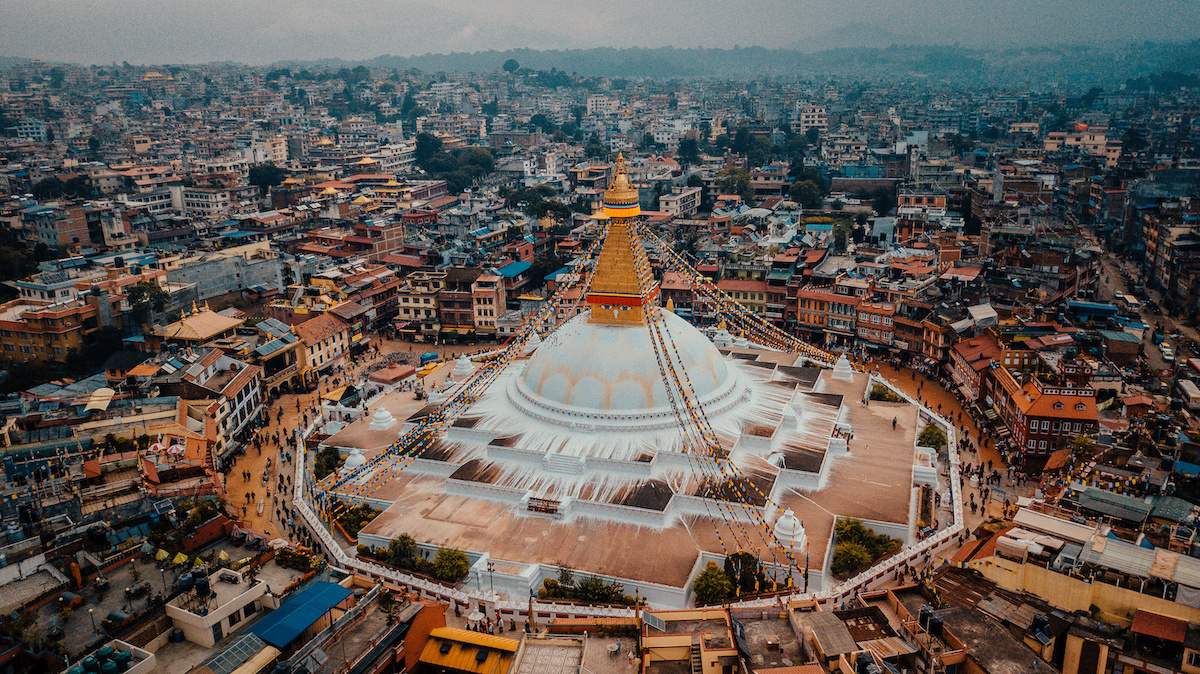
281 376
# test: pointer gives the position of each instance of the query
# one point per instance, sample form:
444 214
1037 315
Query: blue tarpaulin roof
514 269
281 626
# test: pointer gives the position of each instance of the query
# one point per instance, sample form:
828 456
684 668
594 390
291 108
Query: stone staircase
697 662
563 464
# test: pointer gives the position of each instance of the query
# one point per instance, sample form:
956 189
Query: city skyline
100 32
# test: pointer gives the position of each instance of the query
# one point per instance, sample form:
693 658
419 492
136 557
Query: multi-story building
749 293
875 325
51 331
969 359
236 387
810 116
418 308
32 129
487 299
326 341
1041 417
770 180
455 300
681 202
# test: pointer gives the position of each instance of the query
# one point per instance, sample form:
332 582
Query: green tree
689 150
543 122
932 436
852 530
477 157
848 558
745 572
511 66
1082 447
266 175
145 297
593 589
736 180
712 586
327 461
805 193
545 263
427 146
594 148
402 551
450 564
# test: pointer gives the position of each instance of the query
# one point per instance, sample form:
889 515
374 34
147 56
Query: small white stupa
463 367
721 338
353 461
842 370
381 420
790 533
534 342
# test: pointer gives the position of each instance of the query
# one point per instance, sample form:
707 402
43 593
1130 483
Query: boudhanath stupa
576 454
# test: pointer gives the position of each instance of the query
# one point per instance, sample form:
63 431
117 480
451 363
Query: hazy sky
262 31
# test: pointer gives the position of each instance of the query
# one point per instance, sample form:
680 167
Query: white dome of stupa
463 367
790 533
355 460
533 342
842 370
381 420
608 375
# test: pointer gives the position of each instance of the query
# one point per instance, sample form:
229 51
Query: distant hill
7 62
1033 65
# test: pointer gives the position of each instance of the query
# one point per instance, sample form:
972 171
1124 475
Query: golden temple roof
616 295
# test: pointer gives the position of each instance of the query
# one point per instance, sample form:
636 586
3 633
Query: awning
281 626
1159 626
100 400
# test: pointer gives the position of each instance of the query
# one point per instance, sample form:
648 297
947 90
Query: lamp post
491 579
92 615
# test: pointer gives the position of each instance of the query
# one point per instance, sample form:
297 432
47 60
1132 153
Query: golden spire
615 297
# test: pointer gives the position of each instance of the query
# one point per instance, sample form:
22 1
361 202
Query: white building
682 201
223 610
32 129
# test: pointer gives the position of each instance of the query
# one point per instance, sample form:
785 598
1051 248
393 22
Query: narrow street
263 506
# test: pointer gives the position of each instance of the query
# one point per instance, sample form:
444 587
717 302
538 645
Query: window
1045 425
1030 444
1076 426
1193 658
235 617
1042 444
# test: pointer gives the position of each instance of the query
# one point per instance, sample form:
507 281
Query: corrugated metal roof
1114 505
466 651
285 623
831 633
1120 556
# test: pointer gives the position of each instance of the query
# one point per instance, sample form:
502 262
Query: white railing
864 581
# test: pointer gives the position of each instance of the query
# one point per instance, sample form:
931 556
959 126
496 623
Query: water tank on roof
109 667
105 654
